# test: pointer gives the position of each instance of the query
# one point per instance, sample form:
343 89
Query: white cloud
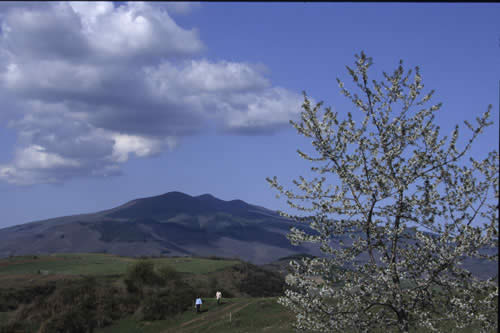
46 76
136 28
260 112
202 76
42 32
31 165
90 12
88 85
140 146
222 76
237 93
36 157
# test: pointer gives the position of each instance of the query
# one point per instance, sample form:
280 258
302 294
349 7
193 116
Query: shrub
10 299
75 320
258 282
142 273
78 307
145 273
168 301
131 286
167 273
161 289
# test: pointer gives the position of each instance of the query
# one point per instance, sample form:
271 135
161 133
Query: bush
10 299
153 308
215 284
145 273
109 306
161 289
79 307
168 302
74 320
132 287
258 282
167 273
142 273
127 304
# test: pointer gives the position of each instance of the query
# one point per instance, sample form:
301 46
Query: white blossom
393 171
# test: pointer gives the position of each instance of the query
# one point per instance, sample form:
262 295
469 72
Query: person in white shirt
218 295
198 304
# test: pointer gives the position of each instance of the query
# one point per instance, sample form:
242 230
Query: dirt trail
212 317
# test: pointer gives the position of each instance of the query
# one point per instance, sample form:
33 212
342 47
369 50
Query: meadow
101 264
233 315
122 302
24 279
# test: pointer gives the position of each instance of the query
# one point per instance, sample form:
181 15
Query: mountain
174 224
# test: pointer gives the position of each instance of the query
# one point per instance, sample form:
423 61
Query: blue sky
104 103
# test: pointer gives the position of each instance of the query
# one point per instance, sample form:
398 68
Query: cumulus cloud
87 85
133 30
125 144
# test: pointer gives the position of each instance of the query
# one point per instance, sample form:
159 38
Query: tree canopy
411 204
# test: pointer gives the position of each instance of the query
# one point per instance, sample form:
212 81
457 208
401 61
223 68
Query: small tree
394 173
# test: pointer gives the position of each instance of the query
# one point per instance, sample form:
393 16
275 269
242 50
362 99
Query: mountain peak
206 196
173 194
171 204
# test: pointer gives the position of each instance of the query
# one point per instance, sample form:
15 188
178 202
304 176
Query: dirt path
219 315
203 316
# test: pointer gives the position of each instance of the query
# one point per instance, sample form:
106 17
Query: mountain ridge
173 223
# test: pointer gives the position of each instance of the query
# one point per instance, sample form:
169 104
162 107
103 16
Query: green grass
70 264
101 264
196 265
234 315
3 317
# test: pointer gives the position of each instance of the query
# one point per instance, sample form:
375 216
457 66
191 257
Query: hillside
173 224
78 291
233 315
73 291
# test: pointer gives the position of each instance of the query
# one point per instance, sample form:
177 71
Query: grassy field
100 264
239 314
236 315
233 315
3 317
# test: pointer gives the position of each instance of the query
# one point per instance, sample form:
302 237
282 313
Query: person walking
198 304
218 295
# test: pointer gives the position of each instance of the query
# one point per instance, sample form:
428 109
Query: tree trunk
403 321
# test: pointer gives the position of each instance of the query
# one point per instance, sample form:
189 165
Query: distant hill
172 224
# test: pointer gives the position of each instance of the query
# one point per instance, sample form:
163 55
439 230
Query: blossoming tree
410 205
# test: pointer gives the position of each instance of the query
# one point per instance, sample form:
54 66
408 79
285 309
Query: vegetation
161 288
101 264
149 289
257 282
32 302
235 315
392 170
